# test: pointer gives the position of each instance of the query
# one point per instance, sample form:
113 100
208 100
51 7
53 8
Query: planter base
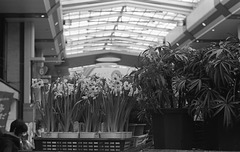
88 135
49 134
68 134
137 129
115 135
173 129
83 144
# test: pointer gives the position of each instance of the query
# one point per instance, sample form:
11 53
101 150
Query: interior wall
13 55
2 33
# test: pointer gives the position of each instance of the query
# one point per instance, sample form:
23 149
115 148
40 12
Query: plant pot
115 134
219 137
88 135
136 129
172 129
68 134
49 134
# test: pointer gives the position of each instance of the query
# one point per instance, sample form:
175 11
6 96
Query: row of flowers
100 104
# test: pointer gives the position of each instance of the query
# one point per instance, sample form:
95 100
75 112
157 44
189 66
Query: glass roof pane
124 24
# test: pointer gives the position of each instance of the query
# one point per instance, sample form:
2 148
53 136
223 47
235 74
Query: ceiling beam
69 2
113 39
162 8
104 32
76 20
114 23
183 4
107 47
98 52
86 48
112 43
78 6
152 18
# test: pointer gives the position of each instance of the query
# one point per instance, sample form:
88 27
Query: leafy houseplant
205 81
210 82
158 67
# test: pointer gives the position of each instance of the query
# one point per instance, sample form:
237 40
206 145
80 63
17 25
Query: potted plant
139 121
210 84
118 98
172 125
43 103
92 106
68 98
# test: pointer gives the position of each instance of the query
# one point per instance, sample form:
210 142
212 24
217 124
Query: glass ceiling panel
126 26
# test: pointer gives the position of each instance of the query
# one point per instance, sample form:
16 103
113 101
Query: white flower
65 80
136 91
116 77
84 97
37 83
127 85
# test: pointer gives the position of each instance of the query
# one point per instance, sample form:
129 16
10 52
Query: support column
12 63
29 52
29 66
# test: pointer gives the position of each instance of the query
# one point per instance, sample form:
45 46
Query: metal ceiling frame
123 14
112 30
96 39
163 5
143 23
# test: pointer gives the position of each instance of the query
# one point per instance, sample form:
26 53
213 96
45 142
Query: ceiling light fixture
203 24
177 44
107 64
108 59
213 30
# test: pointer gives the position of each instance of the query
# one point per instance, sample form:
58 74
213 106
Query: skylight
121 26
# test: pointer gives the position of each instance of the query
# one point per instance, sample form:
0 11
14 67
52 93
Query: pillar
29 52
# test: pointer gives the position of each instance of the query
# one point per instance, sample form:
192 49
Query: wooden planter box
83 144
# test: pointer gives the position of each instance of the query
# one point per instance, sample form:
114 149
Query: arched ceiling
119 28
73 33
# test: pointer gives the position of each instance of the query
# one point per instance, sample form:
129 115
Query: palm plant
209 82
157 68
